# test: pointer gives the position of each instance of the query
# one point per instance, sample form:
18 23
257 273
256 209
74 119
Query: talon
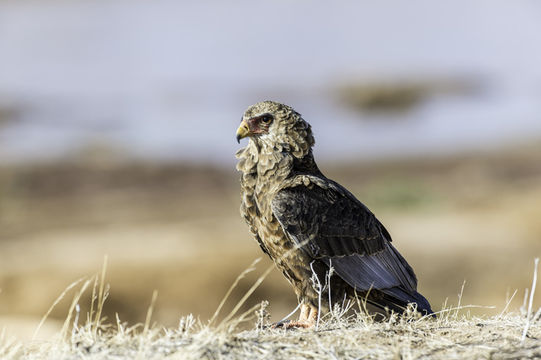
307 319
280 324
297 324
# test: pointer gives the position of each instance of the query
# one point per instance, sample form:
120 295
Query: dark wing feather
333 226
328 222
380 271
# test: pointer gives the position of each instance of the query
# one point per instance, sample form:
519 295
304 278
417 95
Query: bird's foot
307 319
292 324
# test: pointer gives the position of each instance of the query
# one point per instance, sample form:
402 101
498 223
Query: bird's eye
266 119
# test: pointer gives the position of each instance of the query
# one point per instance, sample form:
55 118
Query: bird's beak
243 130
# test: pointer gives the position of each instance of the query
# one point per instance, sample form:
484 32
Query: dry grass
358 337
340 335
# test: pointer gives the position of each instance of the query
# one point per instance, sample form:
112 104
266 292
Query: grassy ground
473 338
339 335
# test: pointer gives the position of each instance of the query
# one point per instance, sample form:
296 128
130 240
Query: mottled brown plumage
308 223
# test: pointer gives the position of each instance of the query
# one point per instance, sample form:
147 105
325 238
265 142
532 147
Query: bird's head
277 124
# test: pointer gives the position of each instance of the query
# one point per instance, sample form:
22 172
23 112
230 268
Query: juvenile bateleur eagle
308 223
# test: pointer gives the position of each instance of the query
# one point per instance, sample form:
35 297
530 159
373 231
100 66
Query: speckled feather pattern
287 202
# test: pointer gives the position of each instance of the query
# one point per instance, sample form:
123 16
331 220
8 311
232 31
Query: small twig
328 282
258 282
75 327
456 309
74 305
532 292
365 299
524 302
233 323
101 297
231 288
460 299
246 296
507 304
71 286
143 336
262 315
290 314
149 312
537 315
319 291
93 298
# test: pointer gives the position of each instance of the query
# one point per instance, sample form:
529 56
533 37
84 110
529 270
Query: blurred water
167 79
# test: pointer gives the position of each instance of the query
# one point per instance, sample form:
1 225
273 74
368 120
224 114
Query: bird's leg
305 311
312 317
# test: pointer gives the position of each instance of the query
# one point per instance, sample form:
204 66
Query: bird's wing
332 225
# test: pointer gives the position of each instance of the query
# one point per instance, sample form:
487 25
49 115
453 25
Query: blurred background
117 137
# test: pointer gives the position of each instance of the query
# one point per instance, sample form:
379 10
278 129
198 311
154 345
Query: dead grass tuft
342 334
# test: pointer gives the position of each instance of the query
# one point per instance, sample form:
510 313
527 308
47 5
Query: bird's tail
397 299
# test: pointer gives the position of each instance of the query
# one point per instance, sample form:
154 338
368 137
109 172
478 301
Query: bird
314 229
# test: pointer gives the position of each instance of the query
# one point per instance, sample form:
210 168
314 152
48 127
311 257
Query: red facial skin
259 125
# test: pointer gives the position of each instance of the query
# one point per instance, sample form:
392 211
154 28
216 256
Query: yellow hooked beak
243 130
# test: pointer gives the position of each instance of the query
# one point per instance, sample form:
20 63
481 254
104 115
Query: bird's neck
260 157
265 167
305 165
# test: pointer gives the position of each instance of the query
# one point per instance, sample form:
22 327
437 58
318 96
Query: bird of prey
308 223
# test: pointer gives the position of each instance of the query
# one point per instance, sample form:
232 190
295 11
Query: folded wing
333 226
